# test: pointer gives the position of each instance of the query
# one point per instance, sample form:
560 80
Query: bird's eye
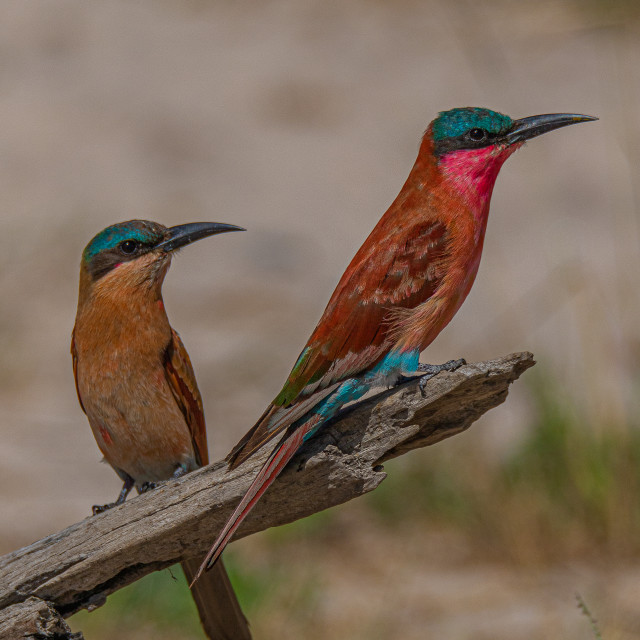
128 247
477 134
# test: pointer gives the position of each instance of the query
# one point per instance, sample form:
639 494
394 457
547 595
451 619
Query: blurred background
300 120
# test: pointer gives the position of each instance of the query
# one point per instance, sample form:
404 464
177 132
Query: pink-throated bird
401 289
136 384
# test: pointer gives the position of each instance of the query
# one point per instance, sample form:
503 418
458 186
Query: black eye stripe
474 138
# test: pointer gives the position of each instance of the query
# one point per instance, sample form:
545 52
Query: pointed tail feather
273 422
282 453
218 607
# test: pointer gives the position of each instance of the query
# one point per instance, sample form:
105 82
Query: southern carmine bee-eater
401 289
136 384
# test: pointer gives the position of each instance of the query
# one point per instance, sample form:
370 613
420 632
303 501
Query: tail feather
219 609
273 422
271 469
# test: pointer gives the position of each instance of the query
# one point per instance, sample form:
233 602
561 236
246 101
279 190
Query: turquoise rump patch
395 363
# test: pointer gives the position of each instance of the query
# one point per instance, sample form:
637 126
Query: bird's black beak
184 234
527 128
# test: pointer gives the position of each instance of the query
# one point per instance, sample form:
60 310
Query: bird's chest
120 379
134 417
120 363
123 388
124 391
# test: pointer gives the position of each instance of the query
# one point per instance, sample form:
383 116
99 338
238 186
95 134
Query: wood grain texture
78 567
35 619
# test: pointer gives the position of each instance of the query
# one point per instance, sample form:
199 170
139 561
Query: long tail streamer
271 469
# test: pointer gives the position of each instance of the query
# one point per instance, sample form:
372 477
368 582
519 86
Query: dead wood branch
34 619
78 567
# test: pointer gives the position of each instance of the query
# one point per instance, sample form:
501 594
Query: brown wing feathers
182 381
356 330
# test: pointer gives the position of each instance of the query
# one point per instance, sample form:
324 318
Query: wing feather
182 381
74 357
357 327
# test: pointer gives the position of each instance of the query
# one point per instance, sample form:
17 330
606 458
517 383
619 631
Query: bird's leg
180 471
147 486
433 369
126 487
430 370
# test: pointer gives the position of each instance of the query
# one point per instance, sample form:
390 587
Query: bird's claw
101 508
147 486
126 487
431 370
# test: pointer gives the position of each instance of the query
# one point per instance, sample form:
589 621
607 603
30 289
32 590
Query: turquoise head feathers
142 231
457 122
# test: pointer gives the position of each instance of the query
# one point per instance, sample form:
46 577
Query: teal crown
140 230
456 122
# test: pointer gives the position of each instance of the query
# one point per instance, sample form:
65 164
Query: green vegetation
158 606
566 490
582 605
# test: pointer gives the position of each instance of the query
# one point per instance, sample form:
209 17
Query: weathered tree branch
78 567
34 619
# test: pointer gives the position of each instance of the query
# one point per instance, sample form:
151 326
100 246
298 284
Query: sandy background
300 121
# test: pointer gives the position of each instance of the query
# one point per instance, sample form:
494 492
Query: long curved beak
184 234
527 128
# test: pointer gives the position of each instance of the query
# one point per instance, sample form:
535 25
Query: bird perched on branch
401 289
136 384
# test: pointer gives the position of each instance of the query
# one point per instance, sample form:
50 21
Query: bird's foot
147 486
126 487
101 508
431 370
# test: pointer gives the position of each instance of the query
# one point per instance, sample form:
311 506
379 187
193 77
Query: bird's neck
454 190
470 175
118 312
